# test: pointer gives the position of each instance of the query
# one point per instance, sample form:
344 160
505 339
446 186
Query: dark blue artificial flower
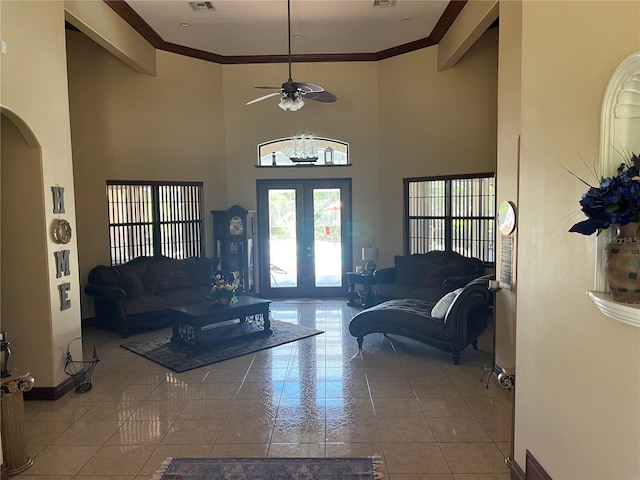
616 201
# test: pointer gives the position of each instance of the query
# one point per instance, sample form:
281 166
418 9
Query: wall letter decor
65 301
58 199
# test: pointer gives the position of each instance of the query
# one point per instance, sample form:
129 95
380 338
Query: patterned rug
161 351
271 469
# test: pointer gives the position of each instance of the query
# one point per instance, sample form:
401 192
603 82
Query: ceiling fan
291 92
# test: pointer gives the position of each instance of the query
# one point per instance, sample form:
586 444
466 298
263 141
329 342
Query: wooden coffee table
204 324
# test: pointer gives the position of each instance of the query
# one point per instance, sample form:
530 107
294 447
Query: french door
304 236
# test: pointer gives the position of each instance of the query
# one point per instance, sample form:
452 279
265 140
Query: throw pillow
133 285
441 308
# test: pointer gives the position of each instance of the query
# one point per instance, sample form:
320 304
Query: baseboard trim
50 393
4 472
516 471
534 470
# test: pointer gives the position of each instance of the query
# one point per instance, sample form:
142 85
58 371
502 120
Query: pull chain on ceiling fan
291 92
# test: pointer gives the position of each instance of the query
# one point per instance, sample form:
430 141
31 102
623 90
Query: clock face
236 226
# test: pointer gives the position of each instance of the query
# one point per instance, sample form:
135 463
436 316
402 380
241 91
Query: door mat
271 469
161 351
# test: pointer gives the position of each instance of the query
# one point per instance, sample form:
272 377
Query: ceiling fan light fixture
288 103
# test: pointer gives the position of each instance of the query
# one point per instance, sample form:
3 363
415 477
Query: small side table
14 447
364 279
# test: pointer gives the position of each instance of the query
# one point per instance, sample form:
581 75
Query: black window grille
154 218
455 213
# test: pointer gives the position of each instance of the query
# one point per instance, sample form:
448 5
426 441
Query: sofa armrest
453 283
385 275
110 294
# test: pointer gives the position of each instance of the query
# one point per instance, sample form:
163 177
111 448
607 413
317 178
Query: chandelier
303 150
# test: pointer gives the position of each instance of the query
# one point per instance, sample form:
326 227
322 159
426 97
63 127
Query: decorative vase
622 264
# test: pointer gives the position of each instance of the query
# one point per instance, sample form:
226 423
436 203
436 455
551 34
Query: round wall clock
506 218
61 231
236 227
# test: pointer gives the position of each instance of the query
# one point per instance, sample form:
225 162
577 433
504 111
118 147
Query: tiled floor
319 396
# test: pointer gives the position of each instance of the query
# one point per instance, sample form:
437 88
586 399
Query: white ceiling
259 27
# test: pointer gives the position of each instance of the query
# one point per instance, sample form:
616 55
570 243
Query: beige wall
128 126
433 123
34 95
578 381
508 160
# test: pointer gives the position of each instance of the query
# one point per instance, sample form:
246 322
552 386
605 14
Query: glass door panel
327 229
305 249
283 267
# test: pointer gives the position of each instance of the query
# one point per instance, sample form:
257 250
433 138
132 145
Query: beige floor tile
184 432
61 460
167 410
416 458
445 407
118 460
240 450
405 429
400 389
482 476
395 407
466 429
219 390
298 450
87 433
298 431
43 433
162 452
353 450
495 406
421 476
140 432
206 409
499 428
316 397
474 458
110 412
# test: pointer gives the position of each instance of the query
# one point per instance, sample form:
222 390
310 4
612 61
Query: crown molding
130 16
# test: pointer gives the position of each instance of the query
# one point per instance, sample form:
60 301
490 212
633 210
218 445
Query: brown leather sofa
138 293
426 276
464 317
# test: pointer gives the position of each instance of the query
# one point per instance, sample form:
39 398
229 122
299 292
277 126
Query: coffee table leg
267 322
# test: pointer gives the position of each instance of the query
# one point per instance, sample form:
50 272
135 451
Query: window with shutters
154 218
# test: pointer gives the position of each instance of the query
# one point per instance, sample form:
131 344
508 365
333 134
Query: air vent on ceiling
384 3
202 6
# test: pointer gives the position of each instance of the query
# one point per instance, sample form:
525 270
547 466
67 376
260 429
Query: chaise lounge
451 324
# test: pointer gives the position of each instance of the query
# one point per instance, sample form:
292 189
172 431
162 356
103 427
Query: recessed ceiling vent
384 3
202 6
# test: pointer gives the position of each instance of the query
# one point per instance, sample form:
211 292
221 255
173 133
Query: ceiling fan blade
263 97
307 87
324 96
269 88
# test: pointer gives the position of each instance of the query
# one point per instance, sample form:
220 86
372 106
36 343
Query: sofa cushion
145 304
164 275
200 270
441 308
133 285
410 270
107 276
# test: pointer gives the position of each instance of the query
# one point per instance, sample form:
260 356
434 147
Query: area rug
271 469
161 351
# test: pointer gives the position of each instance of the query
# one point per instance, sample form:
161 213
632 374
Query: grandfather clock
234 243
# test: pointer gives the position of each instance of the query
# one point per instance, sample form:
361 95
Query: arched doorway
25 307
